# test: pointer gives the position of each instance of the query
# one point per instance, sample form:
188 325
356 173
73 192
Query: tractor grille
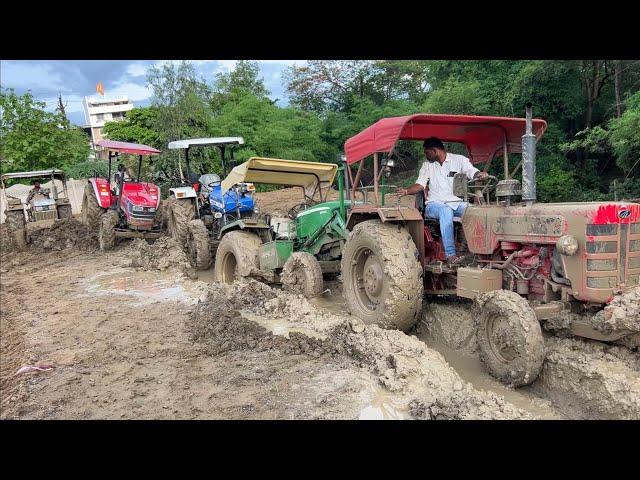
614 258
45 215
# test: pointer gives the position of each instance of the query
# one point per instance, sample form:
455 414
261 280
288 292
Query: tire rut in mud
402 364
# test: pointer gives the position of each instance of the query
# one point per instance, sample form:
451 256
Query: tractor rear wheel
64 211
91 210
179 213
302 274
382 276
107 232
509 337
237 256
198 245
15 220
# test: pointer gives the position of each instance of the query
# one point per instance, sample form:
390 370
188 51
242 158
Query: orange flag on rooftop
100 88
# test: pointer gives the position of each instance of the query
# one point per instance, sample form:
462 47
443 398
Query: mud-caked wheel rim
500 340
229 268
368 279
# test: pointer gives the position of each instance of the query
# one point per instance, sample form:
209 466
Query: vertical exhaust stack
529 161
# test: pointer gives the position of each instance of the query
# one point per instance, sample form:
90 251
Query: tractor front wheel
91 210
64 211
198 245
107 232
179 213
382 276
509 337
302 274
237 256
15 219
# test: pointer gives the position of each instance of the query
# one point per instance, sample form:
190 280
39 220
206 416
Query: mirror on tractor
460 185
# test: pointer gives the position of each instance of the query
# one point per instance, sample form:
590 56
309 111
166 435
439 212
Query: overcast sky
76 78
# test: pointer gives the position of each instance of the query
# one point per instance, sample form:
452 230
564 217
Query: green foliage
34 139
87 169
625 136
137 127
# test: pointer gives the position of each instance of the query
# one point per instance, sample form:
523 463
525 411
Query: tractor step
439 268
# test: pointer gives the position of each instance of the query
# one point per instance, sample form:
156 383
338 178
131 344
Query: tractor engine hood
141 194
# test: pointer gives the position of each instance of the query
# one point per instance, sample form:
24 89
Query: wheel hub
372 277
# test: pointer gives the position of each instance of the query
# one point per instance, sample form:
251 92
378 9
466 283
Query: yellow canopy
312 176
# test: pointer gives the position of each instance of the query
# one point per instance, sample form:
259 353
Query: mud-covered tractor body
563 262
49 204
300 247
129 209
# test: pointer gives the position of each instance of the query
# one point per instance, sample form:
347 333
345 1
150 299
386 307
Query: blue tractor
199 213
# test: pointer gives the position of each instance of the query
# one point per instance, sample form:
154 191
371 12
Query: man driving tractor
436 178
36 190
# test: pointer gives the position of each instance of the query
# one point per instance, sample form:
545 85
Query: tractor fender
413 222
102 190
182 192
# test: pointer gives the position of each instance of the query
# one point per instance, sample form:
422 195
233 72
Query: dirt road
134 334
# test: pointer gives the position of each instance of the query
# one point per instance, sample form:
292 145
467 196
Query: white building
101 109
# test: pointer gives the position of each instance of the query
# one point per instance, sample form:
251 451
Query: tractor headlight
217 215
151 210
567 245
137 208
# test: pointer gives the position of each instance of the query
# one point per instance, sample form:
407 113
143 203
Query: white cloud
135 92
30 76
137 70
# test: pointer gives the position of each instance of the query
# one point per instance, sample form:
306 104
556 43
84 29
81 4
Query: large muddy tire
18 239
64 211
179 213
91 210
15 220
302 274
382 276
198 245
160 219
237 256
509 337
107 232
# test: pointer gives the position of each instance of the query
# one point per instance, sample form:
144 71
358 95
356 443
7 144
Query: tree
232 86
34 139
324 85
138 126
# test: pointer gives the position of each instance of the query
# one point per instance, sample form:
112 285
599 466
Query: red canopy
126 147
483 136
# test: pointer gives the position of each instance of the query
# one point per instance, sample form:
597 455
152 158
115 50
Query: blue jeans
444 213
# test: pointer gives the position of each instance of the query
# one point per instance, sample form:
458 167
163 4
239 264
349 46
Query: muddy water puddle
280 326
472 370
146 287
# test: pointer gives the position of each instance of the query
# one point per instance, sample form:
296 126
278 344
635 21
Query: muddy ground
135 333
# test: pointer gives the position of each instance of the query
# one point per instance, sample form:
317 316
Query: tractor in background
129 207
297 250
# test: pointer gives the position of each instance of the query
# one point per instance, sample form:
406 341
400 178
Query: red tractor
129 208
568 265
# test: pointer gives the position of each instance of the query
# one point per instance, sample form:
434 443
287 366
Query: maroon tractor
573 266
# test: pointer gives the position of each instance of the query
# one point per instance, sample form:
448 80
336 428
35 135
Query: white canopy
206 141
38 173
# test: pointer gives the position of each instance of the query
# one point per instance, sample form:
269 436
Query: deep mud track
135 333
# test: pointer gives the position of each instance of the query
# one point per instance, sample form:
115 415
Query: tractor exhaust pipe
529 161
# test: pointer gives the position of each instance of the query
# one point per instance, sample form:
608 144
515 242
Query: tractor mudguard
244 224
102 190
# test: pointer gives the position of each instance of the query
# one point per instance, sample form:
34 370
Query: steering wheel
296 209
213 184
474 182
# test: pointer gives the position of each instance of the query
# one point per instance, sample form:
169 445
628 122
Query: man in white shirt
436 178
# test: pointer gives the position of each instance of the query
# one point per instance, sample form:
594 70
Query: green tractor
302 246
